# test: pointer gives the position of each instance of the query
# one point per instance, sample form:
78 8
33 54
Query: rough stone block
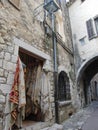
52 128
10 78
8 43
2 99
1 63
16 50
45 128
3 32
7 56
14 59
57 127
6 73
2 80
8 66
1 72
52 99
5 88
2 40
3 46
10 49
1 55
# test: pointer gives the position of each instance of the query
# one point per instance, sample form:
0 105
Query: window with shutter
15 3
96 24
90 29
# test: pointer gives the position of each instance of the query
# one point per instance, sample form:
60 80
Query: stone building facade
25 32
83 16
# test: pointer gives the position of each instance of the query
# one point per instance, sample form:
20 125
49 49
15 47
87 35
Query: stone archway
84 76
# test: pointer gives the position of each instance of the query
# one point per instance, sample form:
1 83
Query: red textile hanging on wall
14 94
17 95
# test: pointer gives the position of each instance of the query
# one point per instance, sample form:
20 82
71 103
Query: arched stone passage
63 87
84 76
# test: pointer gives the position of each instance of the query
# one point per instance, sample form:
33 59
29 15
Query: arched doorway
85 76
63 87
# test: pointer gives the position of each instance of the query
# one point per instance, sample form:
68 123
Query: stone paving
78 120
84 119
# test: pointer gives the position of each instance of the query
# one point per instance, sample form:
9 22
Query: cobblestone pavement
83 119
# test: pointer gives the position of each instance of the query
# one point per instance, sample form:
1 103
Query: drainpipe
55 69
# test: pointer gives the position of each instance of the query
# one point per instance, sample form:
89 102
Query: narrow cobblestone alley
85 119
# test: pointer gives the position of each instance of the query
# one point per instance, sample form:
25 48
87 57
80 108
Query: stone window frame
96 24
34 51
64 91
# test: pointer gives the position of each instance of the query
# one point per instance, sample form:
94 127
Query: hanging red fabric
14 94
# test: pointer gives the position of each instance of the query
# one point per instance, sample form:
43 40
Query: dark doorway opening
88 76
32 66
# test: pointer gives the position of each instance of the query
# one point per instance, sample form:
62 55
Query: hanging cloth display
45 97
17 95
33 90
37 89
30 87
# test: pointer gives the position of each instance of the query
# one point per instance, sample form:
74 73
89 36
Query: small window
63 87
15 3
90 29
82 41
96 24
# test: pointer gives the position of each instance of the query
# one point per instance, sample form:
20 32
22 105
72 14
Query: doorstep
35 125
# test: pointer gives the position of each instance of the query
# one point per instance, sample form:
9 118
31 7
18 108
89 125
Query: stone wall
65 111
22 29
64 64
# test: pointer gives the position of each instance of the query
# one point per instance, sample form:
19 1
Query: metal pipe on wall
55 69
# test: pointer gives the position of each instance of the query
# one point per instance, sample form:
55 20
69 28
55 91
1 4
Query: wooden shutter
15 3
96 24
90 29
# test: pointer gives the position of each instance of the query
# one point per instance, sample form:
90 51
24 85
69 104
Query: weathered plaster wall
79 13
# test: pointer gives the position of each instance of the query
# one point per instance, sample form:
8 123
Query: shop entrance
32 67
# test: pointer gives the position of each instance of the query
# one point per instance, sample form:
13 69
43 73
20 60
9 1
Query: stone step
37 126
42 127
54 127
